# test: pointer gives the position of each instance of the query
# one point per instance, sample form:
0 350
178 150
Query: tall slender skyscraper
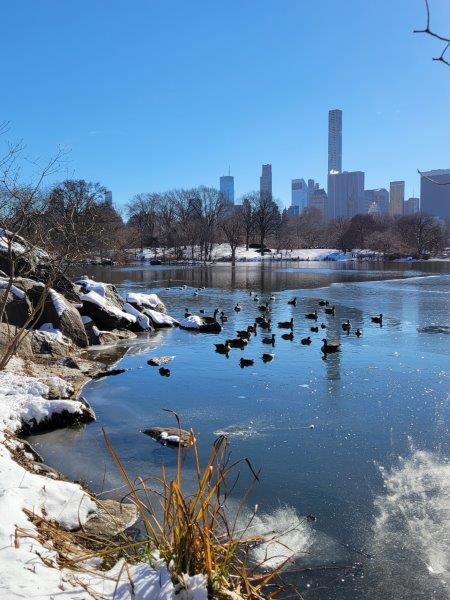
396 197
265 181
227 188
335 140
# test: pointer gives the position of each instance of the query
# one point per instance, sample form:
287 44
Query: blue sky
150 95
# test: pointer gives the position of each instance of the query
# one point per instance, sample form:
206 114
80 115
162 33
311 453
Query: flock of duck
264 322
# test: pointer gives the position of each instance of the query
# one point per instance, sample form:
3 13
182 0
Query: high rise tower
335 140
396 197
265 181
227 188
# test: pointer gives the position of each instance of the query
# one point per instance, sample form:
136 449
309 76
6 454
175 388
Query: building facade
335 141
345 194
299 194
265 181
227 188
435 193
412 206
396 198
319 200
108 197
377 201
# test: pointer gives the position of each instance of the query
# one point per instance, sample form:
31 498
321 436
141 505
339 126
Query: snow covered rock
7 333
140 301
18 307
104 313
48 340
105 290
65 317
159 320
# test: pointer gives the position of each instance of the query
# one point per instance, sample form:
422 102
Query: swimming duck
330 346
272 298
237 308
164 372
293 302
306 341
267 325
269 340
267 357
377 319
223 316
264 307
288 336
346 326
358 332
286 324
187 313
237 343
323 326
323 303
246 362
223 348
243 334
253 328
330 311
314 329
312 315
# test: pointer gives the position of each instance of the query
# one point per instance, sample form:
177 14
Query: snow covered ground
28 563
222 252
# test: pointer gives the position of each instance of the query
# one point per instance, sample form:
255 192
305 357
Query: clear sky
155 94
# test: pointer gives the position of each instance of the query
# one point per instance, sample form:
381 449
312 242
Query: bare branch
428 31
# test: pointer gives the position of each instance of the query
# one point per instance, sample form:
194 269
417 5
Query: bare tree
266 216
443 38
248 217
233 229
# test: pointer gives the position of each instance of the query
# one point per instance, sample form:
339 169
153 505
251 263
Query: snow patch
147 300
95 298
142 320
192 322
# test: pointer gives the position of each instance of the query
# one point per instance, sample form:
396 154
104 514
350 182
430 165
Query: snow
4 283
51 334
160 319
58 302
142 320
192 322
102 302
147 300
89 285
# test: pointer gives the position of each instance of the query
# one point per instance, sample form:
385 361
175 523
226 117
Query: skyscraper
265 181
335 140
411 206
299 195
396 198
435 197
377 201
108 196
345 194
227 188
319 200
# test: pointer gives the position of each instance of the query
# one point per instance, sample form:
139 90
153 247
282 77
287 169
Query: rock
159 320
43 342
104 314
111 519
7 334
65 317
169 436
157 361
109 373
140 301
18 307
69 362
106 290
58 420
110 337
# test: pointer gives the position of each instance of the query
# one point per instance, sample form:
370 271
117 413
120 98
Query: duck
306 341
261 320
256 298
323 303
202 311
253 328
237 343
264 307
243 334
293 302
223 348
323 326
223 316
269 340
196 293
267 357
237 308
288 336
330 311
246 362
377 319
358 332
216 312
267 325
314 329
187 313
346 326
286 324
312 315
272 298
164 372
330 346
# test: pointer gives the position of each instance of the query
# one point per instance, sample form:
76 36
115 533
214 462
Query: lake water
374 468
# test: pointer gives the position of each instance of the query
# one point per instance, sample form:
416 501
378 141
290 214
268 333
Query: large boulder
140 301
98 337
47 340
106 290
25 256
18 307
7 334
105 314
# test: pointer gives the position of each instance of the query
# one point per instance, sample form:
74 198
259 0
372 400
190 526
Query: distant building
335 141
265 181
435 197
411 206
319 200
299 194
377 201
227 188
396 198
108 196
311 186
345 194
